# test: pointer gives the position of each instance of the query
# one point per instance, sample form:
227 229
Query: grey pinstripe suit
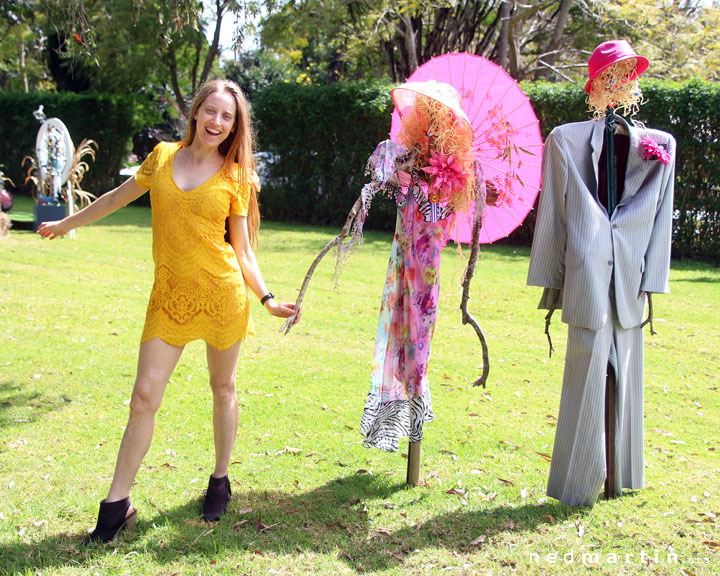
603 267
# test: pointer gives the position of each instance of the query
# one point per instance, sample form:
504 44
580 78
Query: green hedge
322 136
109 120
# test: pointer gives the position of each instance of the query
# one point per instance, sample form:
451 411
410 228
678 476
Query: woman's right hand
53 229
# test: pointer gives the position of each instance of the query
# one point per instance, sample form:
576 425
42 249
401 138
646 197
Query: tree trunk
23 68
551 52
504 39
409 36
172 65
220 7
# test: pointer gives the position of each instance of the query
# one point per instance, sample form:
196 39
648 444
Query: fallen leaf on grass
479 540
381 532
434 475
459 493
397 556
168 465
244 511
506 482
262 527
311 454
711 544
451 454
476 471
331 524
419 525
237 525
292 450
362 471
389 505
205 533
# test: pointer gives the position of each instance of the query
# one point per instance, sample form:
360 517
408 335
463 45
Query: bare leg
222 365
156 362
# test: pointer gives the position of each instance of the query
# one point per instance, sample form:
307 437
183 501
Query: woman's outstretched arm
106 204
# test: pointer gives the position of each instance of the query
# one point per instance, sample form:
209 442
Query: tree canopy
538 39
169 47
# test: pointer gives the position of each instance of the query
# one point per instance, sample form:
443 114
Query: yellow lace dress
199 291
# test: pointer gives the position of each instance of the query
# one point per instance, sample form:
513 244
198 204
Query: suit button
614 226
610 262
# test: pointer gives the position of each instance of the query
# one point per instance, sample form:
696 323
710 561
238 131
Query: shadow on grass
19 406
333 519
699 280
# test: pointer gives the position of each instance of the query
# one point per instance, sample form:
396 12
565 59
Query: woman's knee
223 389
146 396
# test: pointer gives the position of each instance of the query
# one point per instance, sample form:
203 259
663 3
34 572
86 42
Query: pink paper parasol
507 139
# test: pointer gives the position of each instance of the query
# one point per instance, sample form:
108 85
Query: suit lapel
636 167
596 141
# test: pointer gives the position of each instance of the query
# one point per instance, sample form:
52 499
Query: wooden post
413 467
610 433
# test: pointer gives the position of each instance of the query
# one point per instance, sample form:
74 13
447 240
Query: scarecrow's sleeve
547 256
657 256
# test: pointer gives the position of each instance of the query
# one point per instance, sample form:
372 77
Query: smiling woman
199 292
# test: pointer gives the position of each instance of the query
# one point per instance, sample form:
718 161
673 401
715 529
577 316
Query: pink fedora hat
610 52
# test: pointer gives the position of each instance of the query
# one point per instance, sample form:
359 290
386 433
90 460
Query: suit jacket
578 249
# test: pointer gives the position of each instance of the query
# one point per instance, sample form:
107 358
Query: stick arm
354 211
468 318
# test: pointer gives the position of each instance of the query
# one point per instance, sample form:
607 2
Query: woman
199 289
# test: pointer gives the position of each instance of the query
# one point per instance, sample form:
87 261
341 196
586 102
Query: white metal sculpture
54 151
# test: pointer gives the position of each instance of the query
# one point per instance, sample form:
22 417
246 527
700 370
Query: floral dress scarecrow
433 177
437 184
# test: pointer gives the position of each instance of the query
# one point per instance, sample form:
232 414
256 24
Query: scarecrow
432 168
601 247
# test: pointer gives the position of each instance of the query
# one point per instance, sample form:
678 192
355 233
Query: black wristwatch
266 298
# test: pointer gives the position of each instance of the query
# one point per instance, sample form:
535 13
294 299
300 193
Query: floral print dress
399 401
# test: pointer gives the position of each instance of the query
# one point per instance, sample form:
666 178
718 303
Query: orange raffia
431 126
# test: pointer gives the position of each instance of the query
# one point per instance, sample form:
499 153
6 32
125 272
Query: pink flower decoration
447 174
652 149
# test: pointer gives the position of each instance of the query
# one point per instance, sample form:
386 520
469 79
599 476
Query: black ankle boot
111 519
216 498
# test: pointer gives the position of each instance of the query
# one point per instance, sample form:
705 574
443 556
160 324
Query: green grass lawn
308 498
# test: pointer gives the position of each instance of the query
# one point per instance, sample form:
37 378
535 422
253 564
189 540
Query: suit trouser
578 468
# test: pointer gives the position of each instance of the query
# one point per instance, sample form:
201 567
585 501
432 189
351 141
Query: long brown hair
237 148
